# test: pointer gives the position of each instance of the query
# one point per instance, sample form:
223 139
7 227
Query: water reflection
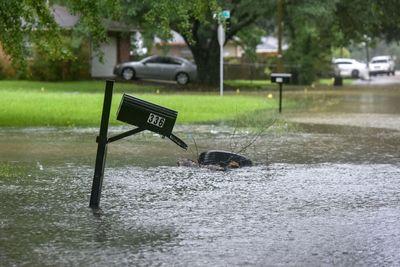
311 143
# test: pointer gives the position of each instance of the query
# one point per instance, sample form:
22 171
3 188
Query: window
343 62
154 60
174 61
380 61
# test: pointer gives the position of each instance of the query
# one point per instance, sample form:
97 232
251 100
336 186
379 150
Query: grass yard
251 84
78 87
28 104
329 82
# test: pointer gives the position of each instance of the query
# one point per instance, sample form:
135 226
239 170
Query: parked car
158 67
382 65
350 68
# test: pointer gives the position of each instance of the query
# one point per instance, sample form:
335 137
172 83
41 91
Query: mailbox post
101 146
134 111
280 78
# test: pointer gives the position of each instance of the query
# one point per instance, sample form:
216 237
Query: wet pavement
381 79
361 106
324 191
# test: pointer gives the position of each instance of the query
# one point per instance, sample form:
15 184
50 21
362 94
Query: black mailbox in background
281 77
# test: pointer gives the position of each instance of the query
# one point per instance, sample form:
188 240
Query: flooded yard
325 192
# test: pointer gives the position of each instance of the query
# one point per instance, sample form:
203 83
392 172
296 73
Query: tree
316 27
197 22
309 25
313 26
374 18
24 21
28 23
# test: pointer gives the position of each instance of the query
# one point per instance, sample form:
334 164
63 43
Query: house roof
63 17
67 20
269 44
176 39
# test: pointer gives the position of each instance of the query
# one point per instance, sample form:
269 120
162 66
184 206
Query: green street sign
226 14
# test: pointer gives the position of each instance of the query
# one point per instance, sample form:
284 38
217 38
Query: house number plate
156 120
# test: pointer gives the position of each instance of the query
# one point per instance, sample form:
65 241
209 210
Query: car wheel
355 74
182 78
128 74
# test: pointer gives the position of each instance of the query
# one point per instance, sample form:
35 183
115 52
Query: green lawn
26 104
252 84
81 86
330 81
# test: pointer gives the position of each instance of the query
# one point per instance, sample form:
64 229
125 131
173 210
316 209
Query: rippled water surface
312 199
319 195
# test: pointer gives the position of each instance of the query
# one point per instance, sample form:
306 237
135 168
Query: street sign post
226 14
221 17
221 41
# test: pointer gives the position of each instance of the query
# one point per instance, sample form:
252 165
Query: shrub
76 67
309 57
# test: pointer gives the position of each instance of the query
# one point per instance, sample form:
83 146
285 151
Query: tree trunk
207 66
338 81
205 47
205 50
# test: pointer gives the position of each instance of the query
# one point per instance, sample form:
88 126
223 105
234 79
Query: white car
350 68
381 65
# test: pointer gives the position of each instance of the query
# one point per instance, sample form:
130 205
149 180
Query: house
176 46
116 50
268 47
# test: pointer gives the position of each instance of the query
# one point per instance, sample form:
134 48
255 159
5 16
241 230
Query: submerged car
350 68
382 65
158 67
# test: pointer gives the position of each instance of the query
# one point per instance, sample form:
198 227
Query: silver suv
382 65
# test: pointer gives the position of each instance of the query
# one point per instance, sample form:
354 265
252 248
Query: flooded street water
322 192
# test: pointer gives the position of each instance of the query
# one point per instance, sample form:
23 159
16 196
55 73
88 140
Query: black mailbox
280 77
134 111
146 115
